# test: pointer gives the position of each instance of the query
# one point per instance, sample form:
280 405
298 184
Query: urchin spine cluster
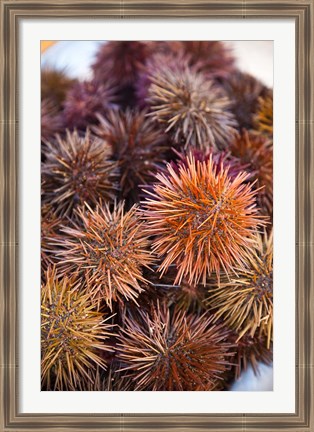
51 121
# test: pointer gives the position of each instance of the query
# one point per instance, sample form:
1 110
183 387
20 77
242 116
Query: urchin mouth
106 255
264 285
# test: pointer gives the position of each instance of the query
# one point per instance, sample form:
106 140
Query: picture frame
11 13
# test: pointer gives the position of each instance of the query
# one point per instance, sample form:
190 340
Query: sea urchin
245 302
85 100
173 351
256 152
192 109
136 145
201 219
72 333
109 249
77 170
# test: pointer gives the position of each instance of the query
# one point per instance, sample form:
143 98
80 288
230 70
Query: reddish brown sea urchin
192 109
71 335
78 170
186 296
136 145
245 302
251 351
173 351
201 219
109 248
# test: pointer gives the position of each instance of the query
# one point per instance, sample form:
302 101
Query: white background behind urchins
254 57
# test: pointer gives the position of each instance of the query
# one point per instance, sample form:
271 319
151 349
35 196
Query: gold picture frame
302 11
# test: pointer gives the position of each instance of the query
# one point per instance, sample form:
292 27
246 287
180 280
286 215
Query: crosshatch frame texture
302 13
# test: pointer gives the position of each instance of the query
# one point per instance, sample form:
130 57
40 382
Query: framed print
156 235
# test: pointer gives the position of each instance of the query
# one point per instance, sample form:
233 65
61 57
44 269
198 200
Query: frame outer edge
8 248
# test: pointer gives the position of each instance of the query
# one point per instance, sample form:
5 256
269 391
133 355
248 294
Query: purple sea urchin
221 159
158 61
85 100
213 58
120 59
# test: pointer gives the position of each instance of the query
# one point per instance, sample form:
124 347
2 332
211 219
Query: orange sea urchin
201 219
